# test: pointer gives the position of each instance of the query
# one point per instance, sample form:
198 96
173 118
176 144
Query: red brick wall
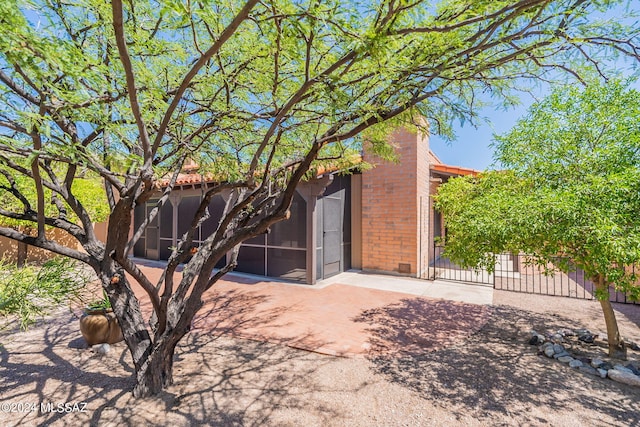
395 214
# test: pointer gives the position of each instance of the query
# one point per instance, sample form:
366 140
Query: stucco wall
9 248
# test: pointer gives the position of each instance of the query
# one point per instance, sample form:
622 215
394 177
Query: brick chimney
395 208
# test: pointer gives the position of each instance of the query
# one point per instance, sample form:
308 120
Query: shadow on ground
415 325
217 380
495 371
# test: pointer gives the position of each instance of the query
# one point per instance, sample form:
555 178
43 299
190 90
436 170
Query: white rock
602 372
549 351
101 348
624 377
596 362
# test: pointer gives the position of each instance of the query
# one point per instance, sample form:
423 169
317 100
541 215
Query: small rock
596 363
587 338
602 372
557 338
589 370
624 377
557 348
559 355
566 359
623 369
101 348
549 352
633 368
546 345
566 332
535 340
606 365
575 364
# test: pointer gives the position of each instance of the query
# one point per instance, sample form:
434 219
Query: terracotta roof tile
454 170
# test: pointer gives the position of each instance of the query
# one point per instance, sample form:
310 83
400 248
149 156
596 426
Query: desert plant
100 304
33 291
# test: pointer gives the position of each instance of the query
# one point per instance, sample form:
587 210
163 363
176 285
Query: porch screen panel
138 217
286 263
216 209
251 260
186 211
281 252
292 232
166 230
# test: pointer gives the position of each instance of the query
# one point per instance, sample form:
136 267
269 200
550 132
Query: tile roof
453 170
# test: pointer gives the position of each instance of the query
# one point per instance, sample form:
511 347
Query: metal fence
518 273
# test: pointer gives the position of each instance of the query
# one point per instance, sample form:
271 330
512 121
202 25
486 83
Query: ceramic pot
100 326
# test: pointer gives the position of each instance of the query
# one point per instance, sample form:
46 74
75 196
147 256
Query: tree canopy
570 194
258 93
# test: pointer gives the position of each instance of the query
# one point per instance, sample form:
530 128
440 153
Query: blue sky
471 147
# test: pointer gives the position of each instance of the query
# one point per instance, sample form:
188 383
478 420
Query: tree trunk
22 254
152 358
156 373
617 346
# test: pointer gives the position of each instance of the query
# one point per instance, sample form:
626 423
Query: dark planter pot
100 326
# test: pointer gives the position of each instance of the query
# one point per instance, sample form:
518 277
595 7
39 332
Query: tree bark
22 254
156 373
152 356
617 346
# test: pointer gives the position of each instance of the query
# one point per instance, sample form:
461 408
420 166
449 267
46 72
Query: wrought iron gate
519 273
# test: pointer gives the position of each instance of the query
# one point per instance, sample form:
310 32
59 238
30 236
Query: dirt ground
490 377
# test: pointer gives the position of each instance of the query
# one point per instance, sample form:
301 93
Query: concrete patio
350 314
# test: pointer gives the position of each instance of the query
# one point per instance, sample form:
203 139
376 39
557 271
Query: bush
31 292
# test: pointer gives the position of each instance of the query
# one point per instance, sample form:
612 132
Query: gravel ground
492 377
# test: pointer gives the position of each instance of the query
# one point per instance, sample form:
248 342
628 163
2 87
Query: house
381 220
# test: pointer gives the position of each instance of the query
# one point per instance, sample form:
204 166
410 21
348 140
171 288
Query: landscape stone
575 364
624 377
633 368
547 345
551 348
557 338
101 348
623 368
587 338
589 370
606 365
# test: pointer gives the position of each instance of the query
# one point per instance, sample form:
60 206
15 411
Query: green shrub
31 292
